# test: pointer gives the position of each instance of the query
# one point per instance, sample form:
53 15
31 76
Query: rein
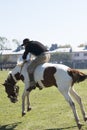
22 66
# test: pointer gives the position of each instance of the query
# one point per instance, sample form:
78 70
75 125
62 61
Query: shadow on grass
65 128
9 126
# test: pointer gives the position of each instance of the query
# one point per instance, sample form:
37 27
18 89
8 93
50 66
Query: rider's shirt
35 48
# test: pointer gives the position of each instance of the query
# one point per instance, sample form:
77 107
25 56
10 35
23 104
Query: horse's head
12 92
11 89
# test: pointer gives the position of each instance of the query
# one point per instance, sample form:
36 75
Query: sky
48 21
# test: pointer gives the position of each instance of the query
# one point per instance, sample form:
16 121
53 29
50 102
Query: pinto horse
46 75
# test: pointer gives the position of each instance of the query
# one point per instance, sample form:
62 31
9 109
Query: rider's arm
25 54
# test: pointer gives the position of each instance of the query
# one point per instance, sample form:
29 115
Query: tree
3 40
82 45
53 47
16 42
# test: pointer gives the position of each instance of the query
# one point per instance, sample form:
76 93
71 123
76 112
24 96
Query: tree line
4 43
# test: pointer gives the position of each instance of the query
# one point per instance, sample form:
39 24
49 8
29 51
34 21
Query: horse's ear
3 84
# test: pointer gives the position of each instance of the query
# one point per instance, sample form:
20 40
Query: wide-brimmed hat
26 40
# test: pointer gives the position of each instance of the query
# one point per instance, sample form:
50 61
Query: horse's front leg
23 102
28 102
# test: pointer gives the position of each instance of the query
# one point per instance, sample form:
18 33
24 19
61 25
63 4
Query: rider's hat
25 41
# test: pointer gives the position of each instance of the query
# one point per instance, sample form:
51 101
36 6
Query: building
73 57
8 58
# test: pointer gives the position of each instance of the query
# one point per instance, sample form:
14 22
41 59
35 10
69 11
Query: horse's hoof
79 125
29 109
23 113
40 88
85 119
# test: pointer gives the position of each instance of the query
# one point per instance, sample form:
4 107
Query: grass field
49 111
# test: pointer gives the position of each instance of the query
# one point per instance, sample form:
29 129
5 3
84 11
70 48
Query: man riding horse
40 52
46 75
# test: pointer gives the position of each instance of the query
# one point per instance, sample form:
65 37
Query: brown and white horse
45 75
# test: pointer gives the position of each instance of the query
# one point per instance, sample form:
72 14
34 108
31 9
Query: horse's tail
76 75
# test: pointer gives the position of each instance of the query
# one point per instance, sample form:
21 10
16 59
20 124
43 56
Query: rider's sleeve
25 54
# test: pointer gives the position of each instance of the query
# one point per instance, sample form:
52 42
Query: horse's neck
16 70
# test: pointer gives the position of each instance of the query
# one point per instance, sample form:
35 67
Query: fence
7 65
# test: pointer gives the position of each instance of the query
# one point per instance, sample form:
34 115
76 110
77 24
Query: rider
40 52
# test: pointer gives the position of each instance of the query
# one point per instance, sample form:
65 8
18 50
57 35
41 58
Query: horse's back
59 70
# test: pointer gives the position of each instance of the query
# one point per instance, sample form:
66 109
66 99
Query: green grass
49 111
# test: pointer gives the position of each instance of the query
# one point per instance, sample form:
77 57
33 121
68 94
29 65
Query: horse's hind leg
66 94
78 99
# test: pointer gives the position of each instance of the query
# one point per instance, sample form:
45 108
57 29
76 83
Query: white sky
48 21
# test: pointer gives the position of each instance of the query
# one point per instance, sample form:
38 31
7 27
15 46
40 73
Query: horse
46 75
